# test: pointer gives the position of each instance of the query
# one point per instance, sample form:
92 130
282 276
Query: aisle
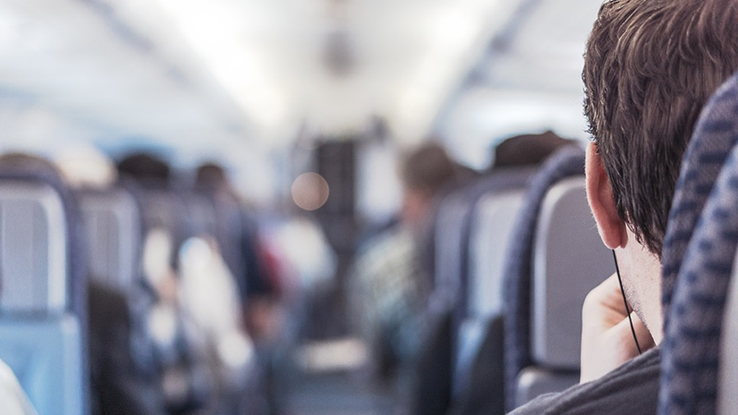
338 394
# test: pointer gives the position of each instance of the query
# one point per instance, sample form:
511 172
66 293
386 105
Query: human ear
602 202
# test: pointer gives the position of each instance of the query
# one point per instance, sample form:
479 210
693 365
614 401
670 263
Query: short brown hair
650 66
427 169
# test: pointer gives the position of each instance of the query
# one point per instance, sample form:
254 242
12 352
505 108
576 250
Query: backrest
32 170
695 287
569 261
448 237
728 371
33 250
478 372
453 230
491 229
690 351
713 138
517 277
43 320
113 224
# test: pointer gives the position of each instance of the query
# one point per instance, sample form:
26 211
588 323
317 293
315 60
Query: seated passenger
237 234
650 67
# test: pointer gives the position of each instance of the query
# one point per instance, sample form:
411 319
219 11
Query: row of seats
43 324
52 239
516 252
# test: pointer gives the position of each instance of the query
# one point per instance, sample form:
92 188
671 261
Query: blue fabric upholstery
518 268
711 142
695 290
39 171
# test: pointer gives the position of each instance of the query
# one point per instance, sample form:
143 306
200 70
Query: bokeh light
310 191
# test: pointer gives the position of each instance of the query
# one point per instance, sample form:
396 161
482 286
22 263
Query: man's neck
642 281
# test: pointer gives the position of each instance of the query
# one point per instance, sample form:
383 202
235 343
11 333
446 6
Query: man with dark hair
423 173
650 66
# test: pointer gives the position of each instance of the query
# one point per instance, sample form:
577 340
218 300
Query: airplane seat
43 296
691 357
479 348
122 376
113 223
453 231
530 336
569 260
453 228
697 259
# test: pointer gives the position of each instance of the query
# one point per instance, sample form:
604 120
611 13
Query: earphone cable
625 302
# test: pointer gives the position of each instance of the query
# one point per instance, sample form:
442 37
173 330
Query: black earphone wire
625 302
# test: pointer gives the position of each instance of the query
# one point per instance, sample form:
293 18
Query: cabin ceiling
227 76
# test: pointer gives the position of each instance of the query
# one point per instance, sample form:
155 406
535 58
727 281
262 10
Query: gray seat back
490 232
569 260
33 249
448 240
491 228
113 225
518 275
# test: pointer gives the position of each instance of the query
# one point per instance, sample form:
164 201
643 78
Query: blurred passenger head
21 163
527 149
211 176
424 172
650 66
145 168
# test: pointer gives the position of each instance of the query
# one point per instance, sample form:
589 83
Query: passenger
237 235
146 169
388 285
168 345
527 149
650 66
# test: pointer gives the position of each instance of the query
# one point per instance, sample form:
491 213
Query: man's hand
607 341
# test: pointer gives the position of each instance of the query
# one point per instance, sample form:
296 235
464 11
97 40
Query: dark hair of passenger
145 168
210 176
428 169
650 66
23 162
527 149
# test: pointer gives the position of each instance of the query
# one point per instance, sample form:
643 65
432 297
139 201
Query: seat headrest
113 225
33 249
714 136
690 350
569 261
